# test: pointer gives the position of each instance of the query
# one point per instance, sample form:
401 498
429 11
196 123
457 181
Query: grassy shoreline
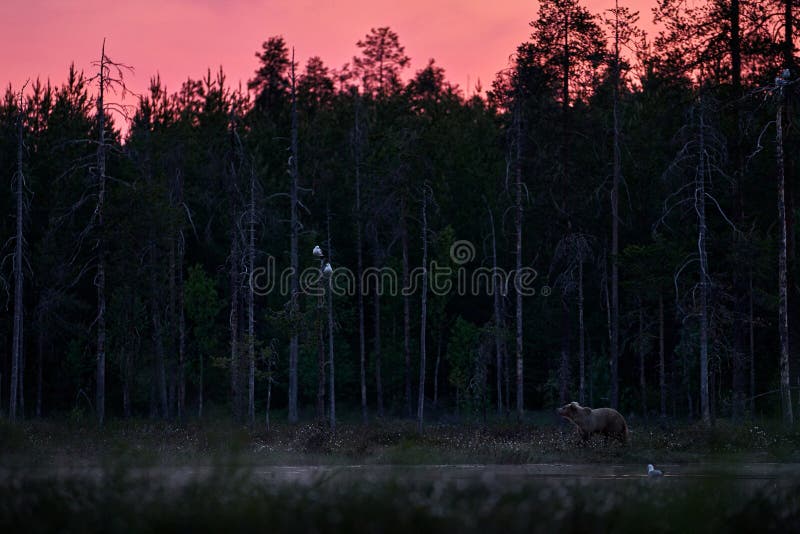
394 442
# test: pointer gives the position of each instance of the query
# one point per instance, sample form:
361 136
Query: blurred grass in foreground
229 500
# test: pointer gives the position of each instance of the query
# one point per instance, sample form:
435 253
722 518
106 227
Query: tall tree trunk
497 283
617 174
200 388
783 309
158 342
590 367
793 309
126 386
518 227
18 334
180 305
233 323
126 359
331 367
294 341
269 393
736 47
362 351
172 329
752 345
160 376
788 38
320 411
406 311
377 351
642 381
506 371
251 319
22 363
321 350
739 337
713 388
423 310
436 368
181 338
563 370
100 279
376 338
153 397
739 333
700 208
581 336
662 381
39 369
688 383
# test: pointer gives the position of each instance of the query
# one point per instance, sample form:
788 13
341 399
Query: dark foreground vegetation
231 501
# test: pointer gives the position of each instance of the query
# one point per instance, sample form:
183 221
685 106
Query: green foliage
202 307
467 366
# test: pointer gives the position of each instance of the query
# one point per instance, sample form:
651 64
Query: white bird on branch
317 251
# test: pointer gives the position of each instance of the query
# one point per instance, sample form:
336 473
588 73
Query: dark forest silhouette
650 182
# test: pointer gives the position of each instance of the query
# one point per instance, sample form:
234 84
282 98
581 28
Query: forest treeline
650 182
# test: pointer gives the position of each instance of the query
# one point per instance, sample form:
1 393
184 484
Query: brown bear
605 421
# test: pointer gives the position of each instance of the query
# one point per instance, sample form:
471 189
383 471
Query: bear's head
574 411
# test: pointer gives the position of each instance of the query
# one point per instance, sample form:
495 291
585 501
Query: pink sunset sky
471 39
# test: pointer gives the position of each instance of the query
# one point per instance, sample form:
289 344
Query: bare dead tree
506 371
406 308
235 280
236 255
109 76
436 368
270 357
751 328
617 173
19 281
172 318
243 217
423 311
39 371
320 325
518 249
783 293
331 366
700 208
701 156
251 319
376 322
662 382
497 288
100 279
357 140
181 244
